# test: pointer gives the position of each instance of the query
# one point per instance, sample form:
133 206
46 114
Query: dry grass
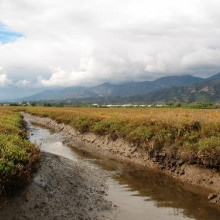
188 134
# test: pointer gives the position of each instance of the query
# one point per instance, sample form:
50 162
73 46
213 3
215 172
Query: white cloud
4 78
23 82
91 41
82 74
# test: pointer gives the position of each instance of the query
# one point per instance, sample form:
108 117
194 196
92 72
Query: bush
17 155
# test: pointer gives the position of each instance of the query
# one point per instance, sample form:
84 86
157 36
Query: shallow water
139 193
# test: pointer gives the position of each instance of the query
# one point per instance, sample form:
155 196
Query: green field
17 155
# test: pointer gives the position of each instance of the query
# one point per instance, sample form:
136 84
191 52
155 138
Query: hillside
61 94
207 91
107 89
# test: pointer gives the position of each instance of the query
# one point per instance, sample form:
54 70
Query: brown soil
119 149
61 189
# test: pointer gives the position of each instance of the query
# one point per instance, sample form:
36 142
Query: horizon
109 109
24 98
87 43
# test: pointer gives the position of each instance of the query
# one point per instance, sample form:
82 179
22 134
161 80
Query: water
139 193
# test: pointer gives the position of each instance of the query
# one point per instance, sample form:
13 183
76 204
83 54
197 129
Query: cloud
82 42
4 78
83 74
23 82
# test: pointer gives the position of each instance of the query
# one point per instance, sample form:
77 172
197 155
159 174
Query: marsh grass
17 155
192 135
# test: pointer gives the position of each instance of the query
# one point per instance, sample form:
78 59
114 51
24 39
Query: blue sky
6 35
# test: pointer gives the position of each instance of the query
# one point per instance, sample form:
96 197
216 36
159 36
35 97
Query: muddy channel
128 191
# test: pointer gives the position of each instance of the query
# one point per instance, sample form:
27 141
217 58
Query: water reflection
161 189
140 193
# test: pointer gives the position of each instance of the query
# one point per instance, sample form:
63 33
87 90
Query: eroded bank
120 149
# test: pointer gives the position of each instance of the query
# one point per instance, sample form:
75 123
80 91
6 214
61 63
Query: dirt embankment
61 189
121 150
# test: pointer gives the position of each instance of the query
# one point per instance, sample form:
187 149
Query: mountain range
185 88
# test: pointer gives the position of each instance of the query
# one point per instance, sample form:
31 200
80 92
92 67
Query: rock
173 169
214 198
211 182
180 163
182 172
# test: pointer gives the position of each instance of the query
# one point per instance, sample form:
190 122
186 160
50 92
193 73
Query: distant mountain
107 89
12 92
133 88
206 91
60 94
216 76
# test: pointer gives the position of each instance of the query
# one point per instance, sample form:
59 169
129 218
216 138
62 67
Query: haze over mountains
107 89
185 88
66 46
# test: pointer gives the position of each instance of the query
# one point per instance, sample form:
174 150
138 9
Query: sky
61 43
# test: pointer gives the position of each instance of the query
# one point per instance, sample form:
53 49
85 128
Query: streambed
132 192
139 193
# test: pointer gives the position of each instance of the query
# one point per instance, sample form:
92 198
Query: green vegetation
195 105
17 155
190 135
203 92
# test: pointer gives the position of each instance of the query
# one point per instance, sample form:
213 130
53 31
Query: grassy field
187 134
17 155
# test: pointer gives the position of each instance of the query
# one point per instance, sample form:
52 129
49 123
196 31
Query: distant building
95 105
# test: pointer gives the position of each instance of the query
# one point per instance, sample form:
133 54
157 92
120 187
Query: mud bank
119 149
61 189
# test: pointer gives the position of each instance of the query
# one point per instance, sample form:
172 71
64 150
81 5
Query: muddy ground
119 149
61 189
66 189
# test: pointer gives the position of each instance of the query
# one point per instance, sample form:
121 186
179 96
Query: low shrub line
189 135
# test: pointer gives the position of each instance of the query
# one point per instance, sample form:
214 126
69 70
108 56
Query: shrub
17 155
190 134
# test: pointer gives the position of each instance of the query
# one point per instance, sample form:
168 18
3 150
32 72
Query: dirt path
61 189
